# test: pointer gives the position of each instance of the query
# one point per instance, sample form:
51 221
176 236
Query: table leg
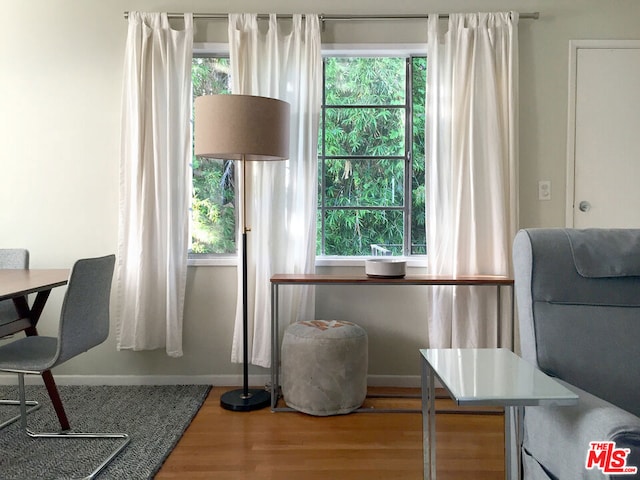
518 412
499 319
55 400
513 318
52 390
22 307
512 442
275 347
428 422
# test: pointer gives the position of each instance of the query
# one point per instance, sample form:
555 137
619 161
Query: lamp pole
246 399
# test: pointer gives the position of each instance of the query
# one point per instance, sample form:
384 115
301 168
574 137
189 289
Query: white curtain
282 196
472 146
155 184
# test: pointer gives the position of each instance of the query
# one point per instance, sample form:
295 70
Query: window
213 218
371 157
370 161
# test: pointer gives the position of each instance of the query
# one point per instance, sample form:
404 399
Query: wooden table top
17 282
317 279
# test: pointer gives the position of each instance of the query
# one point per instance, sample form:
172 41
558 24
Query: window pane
364 131
210 75
418 191
363 232
364 182
365 194
213 219
365 81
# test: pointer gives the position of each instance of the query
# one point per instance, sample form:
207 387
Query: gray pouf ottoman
324 366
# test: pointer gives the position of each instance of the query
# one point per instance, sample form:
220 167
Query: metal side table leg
428 422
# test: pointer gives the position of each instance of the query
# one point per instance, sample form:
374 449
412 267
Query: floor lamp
243 128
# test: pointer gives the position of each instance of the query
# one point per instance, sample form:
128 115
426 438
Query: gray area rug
155 417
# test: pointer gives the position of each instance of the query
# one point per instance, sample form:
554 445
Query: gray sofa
578 305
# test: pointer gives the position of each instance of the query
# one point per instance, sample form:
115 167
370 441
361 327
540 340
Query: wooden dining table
17 285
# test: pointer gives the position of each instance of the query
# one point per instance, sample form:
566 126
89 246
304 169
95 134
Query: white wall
60 85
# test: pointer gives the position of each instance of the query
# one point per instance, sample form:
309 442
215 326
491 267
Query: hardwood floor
262 445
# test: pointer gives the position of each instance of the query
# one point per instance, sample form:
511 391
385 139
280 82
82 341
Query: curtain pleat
155 184
471 134
282 196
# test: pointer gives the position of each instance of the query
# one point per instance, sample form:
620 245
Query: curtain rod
323 17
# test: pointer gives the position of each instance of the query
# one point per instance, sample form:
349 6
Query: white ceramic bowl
385 267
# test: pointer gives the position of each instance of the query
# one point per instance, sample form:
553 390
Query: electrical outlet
544 190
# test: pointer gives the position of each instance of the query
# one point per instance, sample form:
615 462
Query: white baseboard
220 380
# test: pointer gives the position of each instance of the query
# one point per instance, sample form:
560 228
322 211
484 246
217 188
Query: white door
603 164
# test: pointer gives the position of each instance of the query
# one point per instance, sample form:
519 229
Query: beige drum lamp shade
236 126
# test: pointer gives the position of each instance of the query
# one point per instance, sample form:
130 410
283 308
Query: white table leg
499 318
428 422
512 441
519 413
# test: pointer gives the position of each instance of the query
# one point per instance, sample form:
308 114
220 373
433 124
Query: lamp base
237 401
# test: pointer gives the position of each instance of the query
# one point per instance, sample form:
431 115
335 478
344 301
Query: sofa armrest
558 438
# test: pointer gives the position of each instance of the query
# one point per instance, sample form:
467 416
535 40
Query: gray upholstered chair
578 296
84 324
13 258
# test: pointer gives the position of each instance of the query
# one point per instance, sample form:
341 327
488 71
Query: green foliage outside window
363 155
213 217
418 189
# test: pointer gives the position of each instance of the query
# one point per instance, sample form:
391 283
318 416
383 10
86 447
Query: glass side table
485 377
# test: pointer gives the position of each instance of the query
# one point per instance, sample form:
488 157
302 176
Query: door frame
574 47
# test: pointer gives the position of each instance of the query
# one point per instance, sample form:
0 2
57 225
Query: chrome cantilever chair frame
32 404
68 433
84 323
14 258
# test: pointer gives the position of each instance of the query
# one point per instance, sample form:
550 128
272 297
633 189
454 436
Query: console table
498 282
481 377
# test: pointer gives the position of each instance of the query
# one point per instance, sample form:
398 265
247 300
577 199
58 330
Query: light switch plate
544 190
